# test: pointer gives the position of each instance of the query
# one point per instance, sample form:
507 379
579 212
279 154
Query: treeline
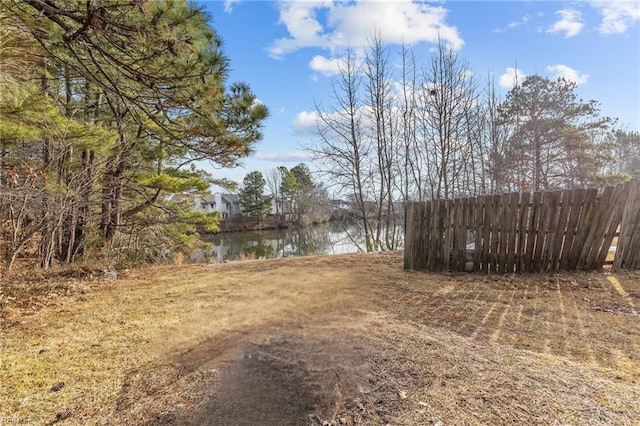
399 129
293 196
106 107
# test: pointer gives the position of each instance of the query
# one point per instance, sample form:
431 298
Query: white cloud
568 73
305 122
570 23
228 5
353 23
510 77
617 16
284 157
325 66
524 20
300 19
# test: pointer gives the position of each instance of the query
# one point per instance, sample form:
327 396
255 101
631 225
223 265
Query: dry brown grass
349 339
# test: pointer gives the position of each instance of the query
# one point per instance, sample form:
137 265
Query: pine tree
252 200
556 137
140 90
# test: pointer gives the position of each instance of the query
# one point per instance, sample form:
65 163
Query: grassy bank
348 339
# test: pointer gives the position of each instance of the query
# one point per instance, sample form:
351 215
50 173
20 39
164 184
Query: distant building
337 204
228 205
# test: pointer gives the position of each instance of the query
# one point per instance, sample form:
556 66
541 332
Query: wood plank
582 229
548 255
461 230
629 239
534 218
479 227
572 226
495 235
597 228
633 257
541 234
433 235
443 236
422 232
490 222
432 221
523 224
456 224
486 232
462 234
514 200
614 220
632 254
438 236
471 233
503 233
595 236
409 243
561 229
426 233
447 215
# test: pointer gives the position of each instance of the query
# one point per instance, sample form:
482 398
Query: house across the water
228 205
230 209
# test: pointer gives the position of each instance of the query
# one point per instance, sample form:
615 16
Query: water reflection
332 238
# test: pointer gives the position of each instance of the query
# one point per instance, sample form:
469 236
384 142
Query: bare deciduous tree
448 117
342 147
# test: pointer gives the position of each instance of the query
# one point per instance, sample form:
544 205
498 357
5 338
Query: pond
329 238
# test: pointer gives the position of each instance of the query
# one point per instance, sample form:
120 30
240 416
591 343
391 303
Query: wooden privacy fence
525 232
628 248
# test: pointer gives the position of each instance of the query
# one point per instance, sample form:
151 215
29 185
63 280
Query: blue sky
287 52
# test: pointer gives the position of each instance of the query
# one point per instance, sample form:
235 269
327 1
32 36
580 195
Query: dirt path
290 346
347 340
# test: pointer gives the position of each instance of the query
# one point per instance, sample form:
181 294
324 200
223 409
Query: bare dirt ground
344 340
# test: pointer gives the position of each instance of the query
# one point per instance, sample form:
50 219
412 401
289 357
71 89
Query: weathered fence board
561 237
554 231
521 249
582 228
525 232
477 229
613 222
514 201
628 248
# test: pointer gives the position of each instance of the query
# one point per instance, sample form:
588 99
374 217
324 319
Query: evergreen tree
135 93
298 189
288 190
252 200
304 191
39 182
557 139
628 153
